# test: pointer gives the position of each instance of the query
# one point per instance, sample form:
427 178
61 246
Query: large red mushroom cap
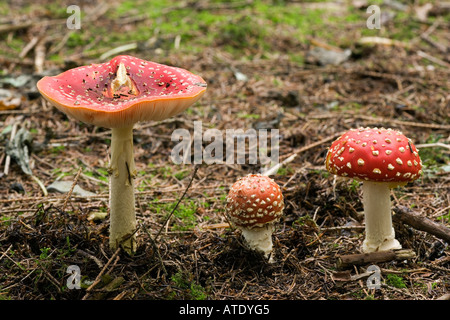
372 154
151 91
254 201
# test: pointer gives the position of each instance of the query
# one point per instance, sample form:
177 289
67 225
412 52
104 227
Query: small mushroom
117 94
254 204
382 159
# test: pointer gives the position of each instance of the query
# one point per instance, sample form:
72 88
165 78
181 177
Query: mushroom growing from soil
117 94
254 204
382 159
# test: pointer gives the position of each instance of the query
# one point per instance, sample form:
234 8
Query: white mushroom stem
121 190
259 238
380 235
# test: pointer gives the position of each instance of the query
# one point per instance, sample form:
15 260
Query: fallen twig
433 59
344 261
383 120
117 50
99 276
39 55
71 190
40 184
383 41
30 45
406 215
433 145
178 202
292 156
8 157
14 27
92 257
100 196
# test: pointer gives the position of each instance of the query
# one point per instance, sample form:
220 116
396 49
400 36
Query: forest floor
264 62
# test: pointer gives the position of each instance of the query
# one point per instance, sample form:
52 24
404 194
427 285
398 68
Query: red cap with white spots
255 200
148 91
372 154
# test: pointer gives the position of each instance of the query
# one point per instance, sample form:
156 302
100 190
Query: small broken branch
383 41
69 194
120 49
8 157
444 297
273 170
39 55
433 59
99 276
13 27
196 167
373 257
408 216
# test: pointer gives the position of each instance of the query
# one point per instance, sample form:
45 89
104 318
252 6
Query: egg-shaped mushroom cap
254 200
156 92
374 154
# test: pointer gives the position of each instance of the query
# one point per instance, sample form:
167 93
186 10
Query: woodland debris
4 28
408 216
291 157
327 57
433 59
347 276
39 57
65 186
423 11
383 41
344 261
18 149
10 99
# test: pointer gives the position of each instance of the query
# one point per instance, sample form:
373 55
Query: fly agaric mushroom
117 94
382 159
254 204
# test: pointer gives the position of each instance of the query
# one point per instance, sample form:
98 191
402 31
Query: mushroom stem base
121 190
259 239
380 235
